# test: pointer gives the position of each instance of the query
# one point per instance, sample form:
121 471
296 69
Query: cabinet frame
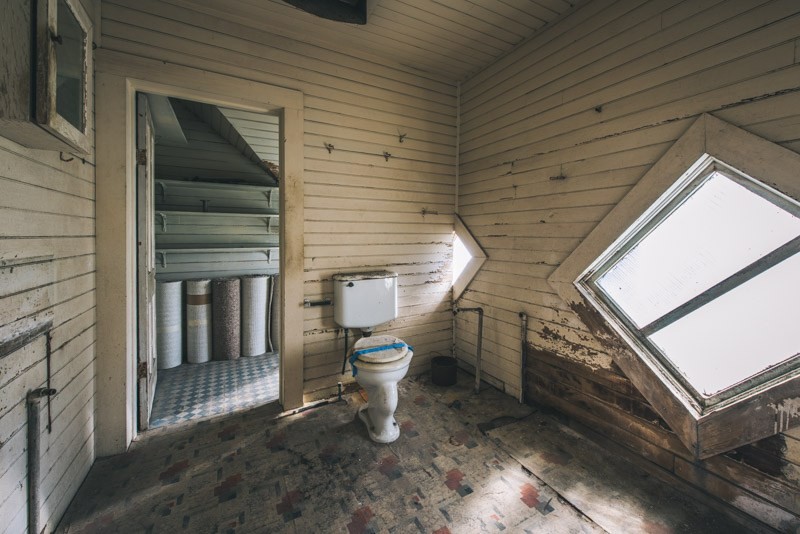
46 36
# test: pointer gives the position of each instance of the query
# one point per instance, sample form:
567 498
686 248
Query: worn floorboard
612 492
317 471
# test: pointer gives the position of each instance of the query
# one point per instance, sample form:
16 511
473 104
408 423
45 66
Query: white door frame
118 77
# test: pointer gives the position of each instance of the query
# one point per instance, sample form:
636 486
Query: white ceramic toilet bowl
379 378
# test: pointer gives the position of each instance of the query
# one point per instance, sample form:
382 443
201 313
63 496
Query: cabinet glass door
70 64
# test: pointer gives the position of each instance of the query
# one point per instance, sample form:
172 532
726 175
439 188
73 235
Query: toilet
364 301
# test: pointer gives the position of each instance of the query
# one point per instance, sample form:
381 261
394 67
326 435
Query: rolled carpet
169 319
254 315
198 321
226 318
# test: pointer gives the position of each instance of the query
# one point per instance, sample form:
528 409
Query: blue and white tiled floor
196 391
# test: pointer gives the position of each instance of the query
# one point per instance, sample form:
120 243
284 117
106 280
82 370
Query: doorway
208 224
118 78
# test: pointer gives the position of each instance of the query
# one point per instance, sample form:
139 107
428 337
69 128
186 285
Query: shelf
210 197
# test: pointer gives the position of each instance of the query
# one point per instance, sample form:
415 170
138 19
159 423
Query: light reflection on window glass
461 257
721 228
740 333
70 61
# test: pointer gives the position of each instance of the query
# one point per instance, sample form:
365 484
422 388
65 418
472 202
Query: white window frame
683 188
758 411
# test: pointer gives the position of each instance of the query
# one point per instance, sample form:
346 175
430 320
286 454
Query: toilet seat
379 349
384 367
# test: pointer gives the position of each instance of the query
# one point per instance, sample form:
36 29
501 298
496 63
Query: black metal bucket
443 370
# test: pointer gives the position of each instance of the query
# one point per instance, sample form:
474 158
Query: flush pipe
479 311
34 399
455 202
523 355
344 359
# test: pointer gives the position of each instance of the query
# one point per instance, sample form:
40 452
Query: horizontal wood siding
47 272
260 131
206 155
381 197
761 479
441 40
557 132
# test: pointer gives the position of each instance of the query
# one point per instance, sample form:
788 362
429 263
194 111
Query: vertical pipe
48 356
453 344
455 203
478 356
34 398
458 143
523 355
344 361
33 463
480 343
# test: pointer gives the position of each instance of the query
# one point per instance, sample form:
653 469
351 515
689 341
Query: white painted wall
652 68
598 98
47 272
362 212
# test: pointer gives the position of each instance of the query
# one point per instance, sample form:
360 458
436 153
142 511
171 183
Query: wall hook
386 155
62 158
560 175
329 146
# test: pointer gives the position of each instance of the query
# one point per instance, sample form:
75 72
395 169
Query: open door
146 278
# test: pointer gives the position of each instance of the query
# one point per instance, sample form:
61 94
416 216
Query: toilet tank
364 300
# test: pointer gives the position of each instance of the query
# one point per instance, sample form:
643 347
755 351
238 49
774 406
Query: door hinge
141 156
141 370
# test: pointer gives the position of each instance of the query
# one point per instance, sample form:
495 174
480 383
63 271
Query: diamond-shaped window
468 257
691 284
705 281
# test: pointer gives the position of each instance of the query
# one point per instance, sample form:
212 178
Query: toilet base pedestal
390 433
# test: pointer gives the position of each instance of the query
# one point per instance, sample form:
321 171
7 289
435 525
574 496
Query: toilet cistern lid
379 349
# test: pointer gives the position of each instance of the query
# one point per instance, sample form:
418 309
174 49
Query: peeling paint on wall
787 414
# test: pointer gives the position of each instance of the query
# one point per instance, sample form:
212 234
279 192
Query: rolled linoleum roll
226 319
198 321
169 319
275 316
254 315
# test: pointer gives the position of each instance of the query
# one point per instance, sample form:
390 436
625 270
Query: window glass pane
461 257
70 59
719 229
739 334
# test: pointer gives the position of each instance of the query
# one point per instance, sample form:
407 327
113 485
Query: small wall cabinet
46 48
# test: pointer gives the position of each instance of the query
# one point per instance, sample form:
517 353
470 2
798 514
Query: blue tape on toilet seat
357 353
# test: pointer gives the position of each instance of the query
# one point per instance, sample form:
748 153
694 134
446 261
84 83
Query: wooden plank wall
47 266
363 211
761 479
206 156
597 98
259 130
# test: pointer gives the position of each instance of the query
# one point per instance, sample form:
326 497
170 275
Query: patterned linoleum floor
196 391
317 471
